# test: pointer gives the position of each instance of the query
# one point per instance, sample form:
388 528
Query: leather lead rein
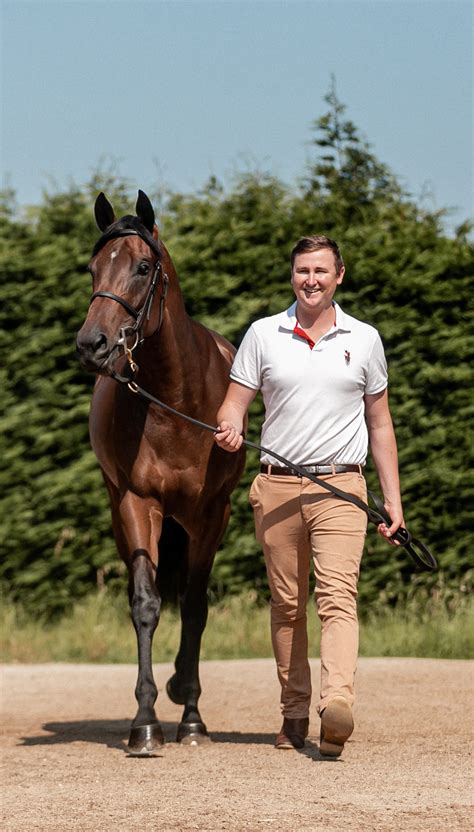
417 550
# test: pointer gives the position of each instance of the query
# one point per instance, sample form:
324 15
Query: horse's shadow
113 733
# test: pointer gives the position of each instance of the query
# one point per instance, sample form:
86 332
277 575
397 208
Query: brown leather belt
277 471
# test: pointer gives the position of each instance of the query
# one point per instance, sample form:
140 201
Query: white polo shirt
313 397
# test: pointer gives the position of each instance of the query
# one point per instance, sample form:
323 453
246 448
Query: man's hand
231 416
228 437
396 513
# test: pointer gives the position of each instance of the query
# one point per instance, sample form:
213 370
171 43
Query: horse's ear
104 213
145 212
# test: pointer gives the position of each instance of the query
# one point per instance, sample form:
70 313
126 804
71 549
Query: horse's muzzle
95 352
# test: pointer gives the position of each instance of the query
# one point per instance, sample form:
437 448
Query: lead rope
423 558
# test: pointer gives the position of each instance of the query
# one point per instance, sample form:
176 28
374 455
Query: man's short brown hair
315 243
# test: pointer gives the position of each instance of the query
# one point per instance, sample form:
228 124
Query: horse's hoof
145 740
192 733
172 694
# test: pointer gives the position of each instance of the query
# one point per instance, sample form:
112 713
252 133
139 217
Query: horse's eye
143 268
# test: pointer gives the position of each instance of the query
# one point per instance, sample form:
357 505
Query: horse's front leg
137 523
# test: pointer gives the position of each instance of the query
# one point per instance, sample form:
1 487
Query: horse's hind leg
184 687
137 527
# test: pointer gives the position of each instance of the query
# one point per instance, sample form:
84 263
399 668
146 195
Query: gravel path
406 767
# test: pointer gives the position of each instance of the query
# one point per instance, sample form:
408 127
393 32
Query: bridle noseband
140 315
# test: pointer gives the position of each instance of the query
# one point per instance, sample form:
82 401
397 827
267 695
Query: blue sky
176 91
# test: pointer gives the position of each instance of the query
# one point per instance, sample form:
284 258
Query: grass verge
99 629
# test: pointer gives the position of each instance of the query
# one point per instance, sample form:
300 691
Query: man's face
314 279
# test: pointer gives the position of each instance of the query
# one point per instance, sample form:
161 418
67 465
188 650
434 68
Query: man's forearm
383 446
233 414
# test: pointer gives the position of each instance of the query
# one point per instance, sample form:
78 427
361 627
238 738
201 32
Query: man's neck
319 321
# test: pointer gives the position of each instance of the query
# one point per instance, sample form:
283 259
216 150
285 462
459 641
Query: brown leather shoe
293 733
337 725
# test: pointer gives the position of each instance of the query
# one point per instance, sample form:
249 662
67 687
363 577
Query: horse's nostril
92 348
100 343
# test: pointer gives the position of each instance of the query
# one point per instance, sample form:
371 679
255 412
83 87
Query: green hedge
231 249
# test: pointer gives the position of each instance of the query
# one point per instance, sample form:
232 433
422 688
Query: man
323 378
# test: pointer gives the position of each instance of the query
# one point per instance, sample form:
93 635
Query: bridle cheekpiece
142 315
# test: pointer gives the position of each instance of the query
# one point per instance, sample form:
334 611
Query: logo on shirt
347 356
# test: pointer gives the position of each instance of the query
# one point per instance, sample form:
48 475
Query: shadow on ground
113 733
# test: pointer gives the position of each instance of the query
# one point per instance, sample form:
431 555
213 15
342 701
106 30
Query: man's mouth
311 291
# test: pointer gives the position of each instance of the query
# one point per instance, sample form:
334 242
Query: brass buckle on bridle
122 342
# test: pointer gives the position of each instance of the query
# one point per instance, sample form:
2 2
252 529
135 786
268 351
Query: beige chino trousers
296 520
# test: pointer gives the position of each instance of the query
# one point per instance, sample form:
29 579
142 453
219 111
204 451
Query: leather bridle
141 315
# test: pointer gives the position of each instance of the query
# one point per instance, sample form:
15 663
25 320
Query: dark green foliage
55 526
231 250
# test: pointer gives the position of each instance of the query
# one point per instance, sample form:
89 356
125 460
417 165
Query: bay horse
169 484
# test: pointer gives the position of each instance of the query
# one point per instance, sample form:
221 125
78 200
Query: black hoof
175 697
192 733
145 740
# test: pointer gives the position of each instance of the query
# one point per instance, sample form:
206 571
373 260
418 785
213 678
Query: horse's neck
168 356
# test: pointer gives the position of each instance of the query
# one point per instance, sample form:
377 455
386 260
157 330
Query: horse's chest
142 452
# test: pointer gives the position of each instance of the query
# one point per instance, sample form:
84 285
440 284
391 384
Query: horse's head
126 269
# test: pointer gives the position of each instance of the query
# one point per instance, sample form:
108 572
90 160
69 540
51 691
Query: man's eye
143 268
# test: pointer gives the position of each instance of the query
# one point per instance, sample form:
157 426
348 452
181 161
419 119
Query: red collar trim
298 331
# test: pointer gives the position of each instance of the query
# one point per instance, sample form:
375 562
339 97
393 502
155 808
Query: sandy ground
406 767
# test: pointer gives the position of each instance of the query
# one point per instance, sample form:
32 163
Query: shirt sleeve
377 375
247 366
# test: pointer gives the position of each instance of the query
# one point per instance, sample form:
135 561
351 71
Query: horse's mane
123 228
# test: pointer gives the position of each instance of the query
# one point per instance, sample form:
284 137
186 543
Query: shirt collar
342 324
